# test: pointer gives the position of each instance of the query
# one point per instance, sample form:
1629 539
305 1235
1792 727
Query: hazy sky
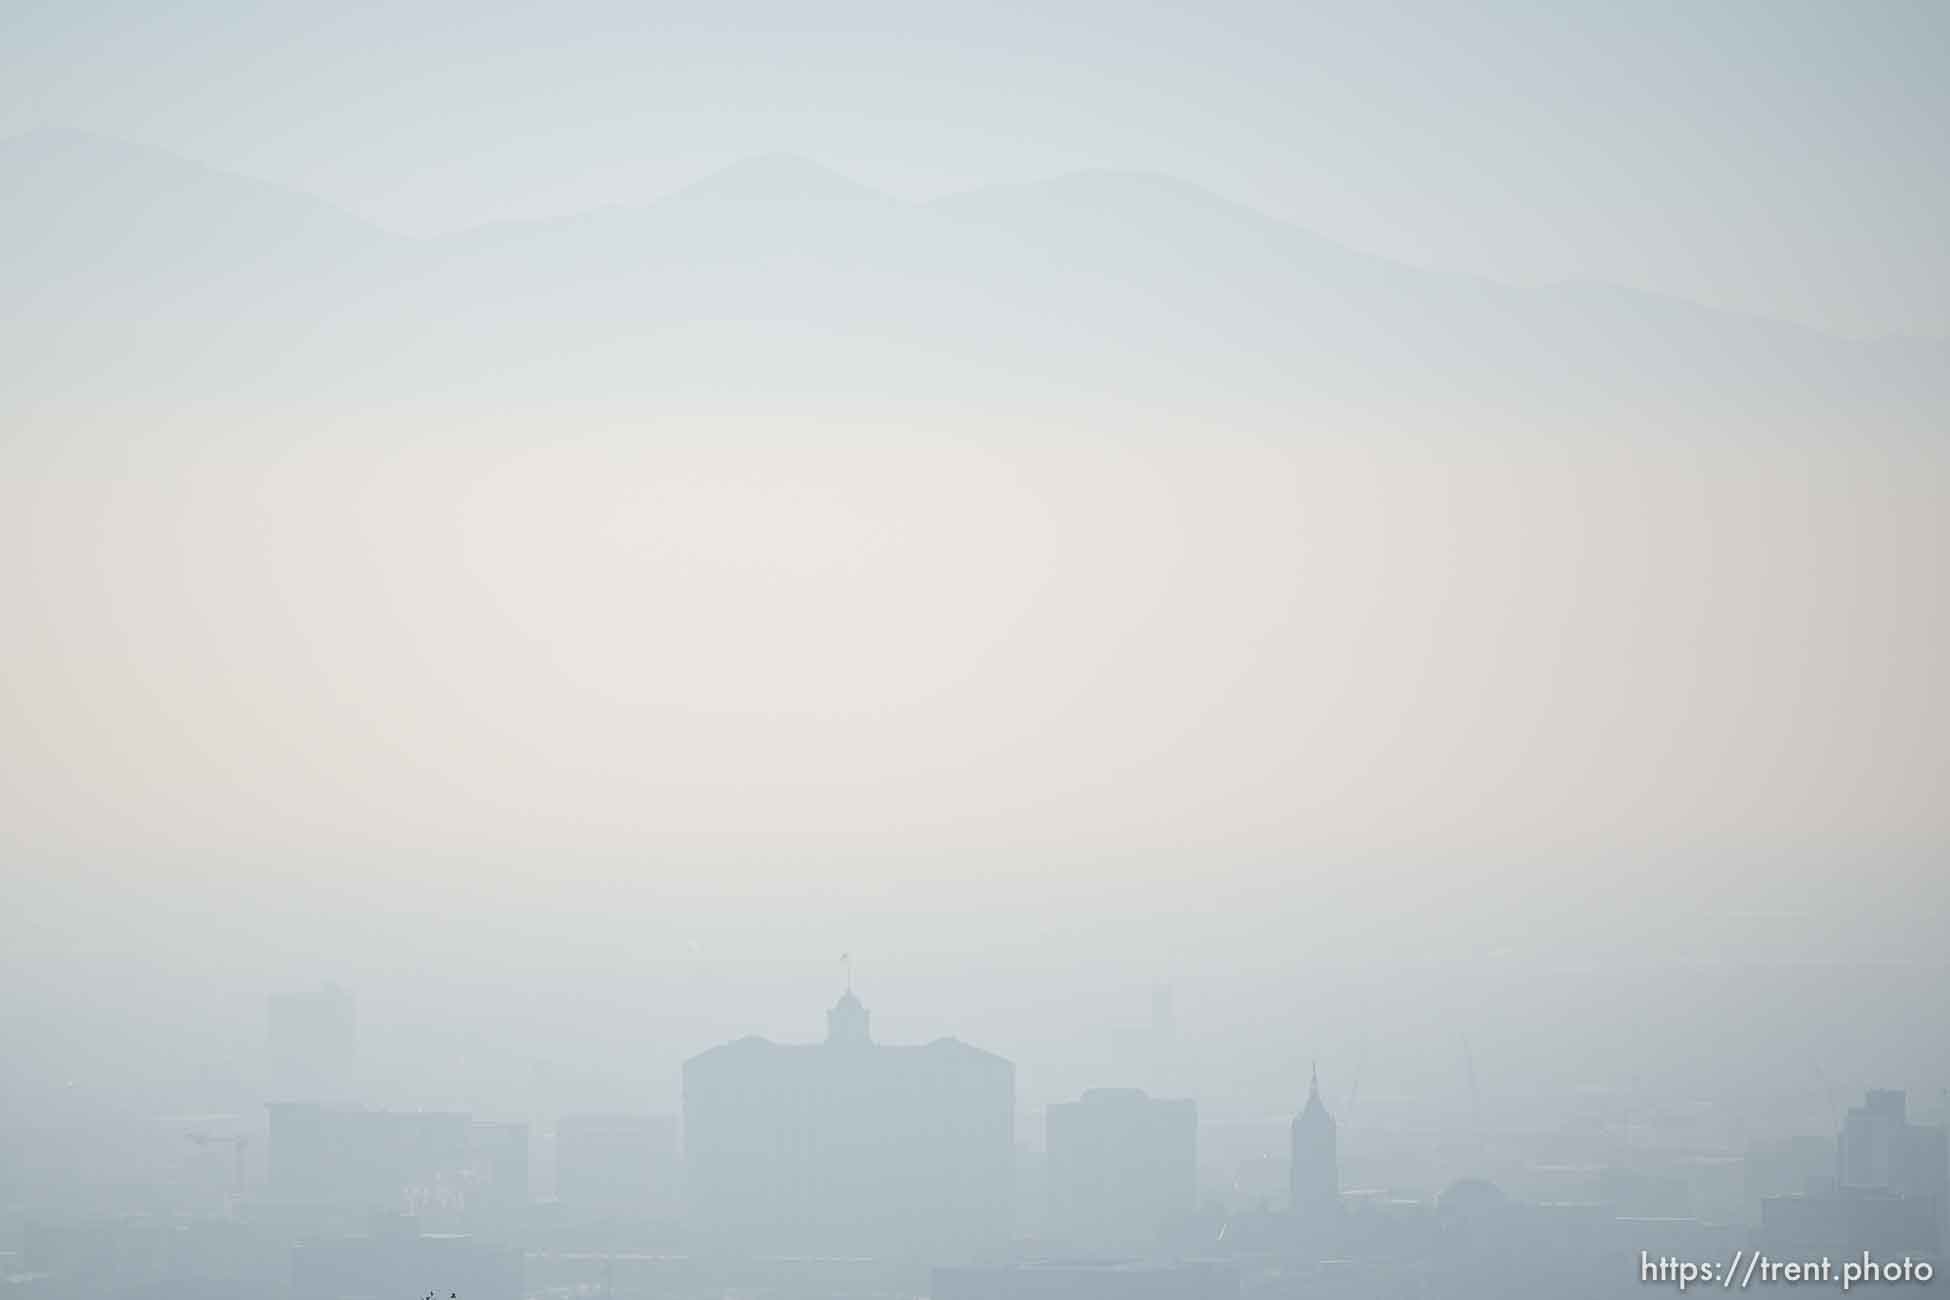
592 617
1781 158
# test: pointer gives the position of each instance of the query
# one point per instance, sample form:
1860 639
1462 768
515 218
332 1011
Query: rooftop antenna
1475 1099
846 960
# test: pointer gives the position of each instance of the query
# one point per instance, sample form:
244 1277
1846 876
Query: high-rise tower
1314 1179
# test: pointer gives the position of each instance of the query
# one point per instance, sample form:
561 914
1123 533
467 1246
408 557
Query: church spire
1314 1177
1315 1111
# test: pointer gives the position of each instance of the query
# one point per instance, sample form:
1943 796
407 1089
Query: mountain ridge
789 177
1099 285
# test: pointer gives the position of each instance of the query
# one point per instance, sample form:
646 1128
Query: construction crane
237 1142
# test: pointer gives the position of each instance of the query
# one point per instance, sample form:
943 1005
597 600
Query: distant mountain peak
777 176
61 179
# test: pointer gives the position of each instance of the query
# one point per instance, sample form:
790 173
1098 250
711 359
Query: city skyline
1335 612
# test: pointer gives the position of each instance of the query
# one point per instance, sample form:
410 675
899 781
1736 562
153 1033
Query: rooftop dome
847 1021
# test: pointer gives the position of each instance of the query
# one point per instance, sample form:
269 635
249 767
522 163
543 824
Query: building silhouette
1314 1176
1121 1166
1891 1183
850 1146
1088 1280
393 1257
1880 1150
847 1021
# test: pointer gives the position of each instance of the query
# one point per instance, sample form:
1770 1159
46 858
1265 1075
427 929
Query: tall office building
1887 1194
1879 1149
851 1146
1881 1153
1314 1177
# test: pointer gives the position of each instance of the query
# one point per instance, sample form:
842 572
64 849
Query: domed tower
846 1023
1314 1179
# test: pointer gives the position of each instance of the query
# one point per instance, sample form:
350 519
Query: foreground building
395 1258
1077 1280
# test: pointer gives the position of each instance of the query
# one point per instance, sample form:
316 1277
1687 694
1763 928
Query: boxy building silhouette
850 1146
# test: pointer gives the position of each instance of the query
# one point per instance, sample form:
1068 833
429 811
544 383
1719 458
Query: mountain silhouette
775 177
77 204
777 276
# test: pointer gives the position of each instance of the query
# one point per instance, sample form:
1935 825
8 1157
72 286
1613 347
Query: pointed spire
1314 1111
1313 1178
